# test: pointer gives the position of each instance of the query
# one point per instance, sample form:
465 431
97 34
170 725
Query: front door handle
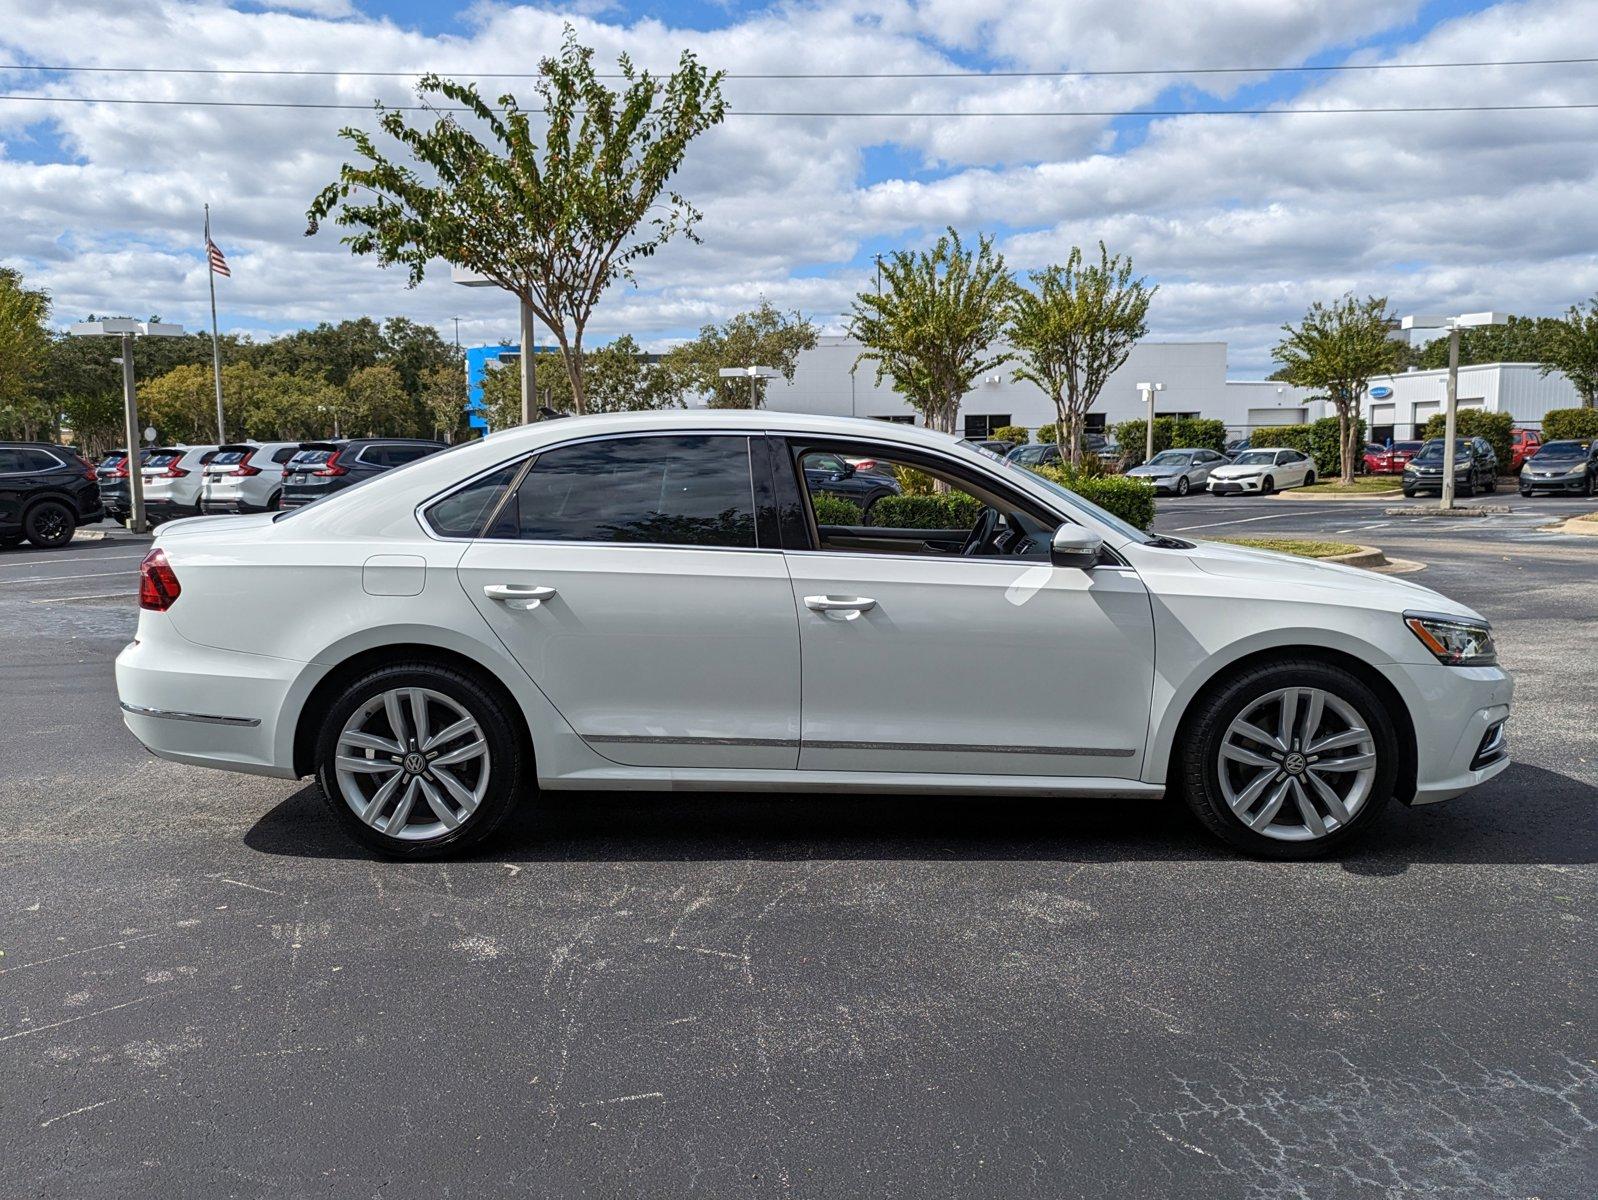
518 595
854 605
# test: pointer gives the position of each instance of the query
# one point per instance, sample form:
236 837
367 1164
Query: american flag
218 263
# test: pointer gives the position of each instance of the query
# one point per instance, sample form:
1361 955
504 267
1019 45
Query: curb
1365 556
1575 525
1459 510
1299 494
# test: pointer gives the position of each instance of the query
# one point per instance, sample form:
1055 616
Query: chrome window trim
140 710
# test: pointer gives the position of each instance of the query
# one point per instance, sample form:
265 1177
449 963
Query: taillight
244 465
120 471
331 467
89 472
174 472
158 583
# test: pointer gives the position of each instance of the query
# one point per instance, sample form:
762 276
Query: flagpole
216 347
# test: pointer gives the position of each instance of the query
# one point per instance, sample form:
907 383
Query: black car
1561 467
112 473
828 472
322 468
991 445
1038 454
1475 466
46 492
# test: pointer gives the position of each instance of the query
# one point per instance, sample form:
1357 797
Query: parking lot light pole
128 330
1148 390
754 374
1453 325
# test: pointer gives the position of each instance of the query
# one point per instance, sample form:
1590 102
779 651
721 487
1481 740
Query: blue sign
1381 393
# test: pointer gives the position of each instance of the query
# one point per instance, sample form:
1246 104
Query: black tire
1182 486
1195 770
1267 485
1409 493
1469 490
274 501
1491 486
509 763
1526 491
1309 479
49 524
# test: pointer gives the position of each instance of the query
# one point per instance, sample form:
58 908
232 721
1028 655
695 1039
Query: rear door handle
840 604
524 596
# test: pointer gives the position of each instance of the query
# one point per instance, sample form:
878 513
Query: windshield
1030 454
1406 447
1171 458
1085 507
1432 451
1255 458
1563 450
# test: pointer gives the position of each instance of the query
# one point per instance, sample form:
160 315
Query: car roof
728 419
404 440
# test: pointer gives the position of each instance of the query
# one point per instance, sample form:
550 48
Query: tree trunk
1346 427
573 356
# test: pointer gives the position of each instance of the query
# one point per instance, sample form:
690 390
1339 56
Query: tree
933 327
1336 349
502 396
378 404
554 217
1524 339
181 404
287 408
1075 329
765 336
444 400
24 354
1572 348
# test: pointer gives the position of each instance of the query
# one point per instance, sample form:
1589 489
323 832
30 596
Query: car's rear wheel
418 760
1290 760
49 524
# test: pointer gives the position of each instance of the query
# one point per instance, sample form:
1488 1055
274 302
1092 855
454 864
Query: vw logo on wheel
415 762
1294 763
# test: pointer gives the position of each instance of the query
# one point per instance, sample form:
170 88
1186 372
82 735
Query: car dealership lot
209 992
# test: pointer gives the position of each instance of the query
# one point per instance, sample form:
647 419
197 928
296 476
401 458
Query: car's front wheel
418 760
1267 486
1182 486
49 524
1290 760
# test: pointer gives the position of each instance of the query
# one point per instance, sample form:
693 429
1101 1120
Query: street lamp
1148 390
754 375
127 330
467 278
1453 325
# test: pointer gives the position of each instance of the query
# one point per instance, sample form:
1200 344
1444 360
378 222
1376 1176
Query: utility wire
997 74
731 112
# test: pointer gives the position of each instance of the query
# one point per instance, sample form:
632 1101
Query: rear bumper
1454 709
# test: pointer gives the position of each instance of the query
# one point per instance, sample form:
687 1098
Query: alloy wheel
1297 764
51 524
412 763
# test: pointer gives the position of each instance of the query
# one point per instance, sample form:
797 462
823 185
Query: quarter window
461 514
679 490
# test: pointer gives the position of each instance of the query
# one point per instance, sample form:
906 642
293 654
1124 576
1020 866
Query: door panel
973 666
656 655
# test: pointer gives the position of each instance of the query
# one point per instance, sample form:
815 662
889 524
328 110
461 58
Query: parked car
833 474
1523 444
46 492
1236 446
1037 454
1569 466
1262 471
609 602
172 476
112 474
1389 460
1110 454
991 445
1475 467
1178 471
319 469
245 477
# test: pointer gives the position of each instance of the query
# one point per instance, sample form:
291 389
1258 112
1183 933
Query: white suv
658 601
172 476
246 477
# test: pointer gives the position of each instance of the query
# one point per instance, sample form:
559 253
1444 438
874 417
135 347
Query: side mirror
1074 546
843 472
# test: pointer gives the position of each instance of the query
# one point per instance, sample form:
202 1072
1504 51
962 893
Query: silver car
1179 471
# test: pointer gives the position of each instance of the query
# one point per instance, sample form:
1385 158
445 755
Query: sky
1242 221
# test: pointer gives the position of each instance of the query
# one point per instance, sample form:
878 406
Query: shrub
1049 434
913 482
1473 422
1318 439
1562 423
937 510
1128 499
1170 433
835 510
1016 435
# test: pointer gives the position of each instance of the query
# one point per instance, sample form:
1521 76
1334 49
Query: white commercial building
1194 374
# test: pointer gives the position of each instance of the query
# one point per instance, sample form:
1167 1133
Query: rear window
283 453
163 458
230 457
111 460
311 458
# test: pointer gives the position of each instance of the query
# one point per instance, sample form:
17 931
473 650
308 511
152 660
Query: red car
1523 443
1385 460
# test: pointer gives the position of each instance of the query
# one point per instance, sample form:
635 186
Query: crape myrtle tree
1571 347
619 377
934 326
1073 329
764 336
1336 349
553 208
24 355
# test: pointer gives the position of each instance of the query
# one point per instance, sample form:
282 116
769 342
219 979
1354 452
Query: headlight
1578 469
1454 640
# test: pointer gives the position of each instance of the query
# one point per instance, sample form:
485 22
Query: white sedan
649 601
1262 472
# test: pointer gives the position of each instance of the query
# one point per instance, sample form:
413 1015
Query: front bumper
1234 487
1453 710
1559 483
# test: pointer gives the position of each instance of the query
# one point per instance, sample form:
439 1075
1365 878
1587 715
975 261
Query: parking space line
1238 521
62 578
98 596
62 560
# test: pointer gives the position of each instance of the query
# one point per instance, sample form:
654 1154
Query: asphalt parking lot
205 990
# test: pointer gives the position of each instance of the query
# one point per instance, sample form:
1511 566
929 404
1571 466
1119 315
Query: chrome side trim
807 744
139 710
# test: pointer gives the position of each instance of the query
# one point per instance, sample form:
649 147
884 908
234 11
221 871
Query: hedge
940 510
1049 434
1560 424
1318 439
835 510
1129 499
1170 433
1496 427
1014 434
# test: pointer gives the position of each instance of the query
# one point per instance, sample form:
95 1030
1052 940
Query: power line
906 115
835 75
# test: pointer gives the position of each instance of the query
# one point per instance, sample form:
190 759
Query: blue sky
1241 220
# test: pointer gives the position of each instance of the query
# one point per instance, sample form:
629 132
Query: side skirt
681 779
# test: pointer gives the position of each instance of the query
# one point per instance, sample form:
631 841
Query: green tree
502 395
1336 348
287 408
933 327
555 215
181 404
24 354
327 351
378 404
444 400
1572 348
765 336
1074 329
1524 339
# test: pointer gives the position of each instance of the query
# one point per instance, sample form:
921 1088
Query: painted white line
63 578
43 560
97 596
1238 521
75 1113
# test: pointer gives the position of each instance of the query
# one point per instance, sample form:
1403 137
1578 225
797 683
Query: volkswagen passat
647 601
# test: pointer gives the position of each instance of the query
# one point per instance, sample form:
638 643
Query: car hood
1235 471
1384 592
1162 469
